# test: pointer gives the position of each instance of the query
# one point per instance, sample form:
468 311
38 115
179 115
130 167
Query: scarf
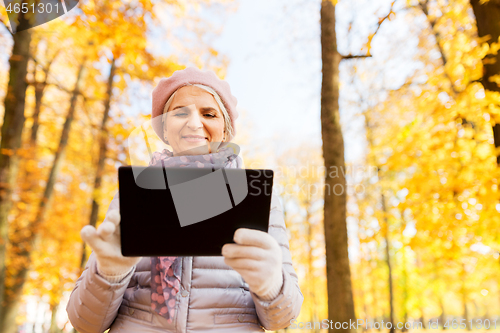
166 271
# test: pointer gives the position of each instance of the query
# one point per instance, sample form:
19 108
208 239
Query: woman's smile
194 138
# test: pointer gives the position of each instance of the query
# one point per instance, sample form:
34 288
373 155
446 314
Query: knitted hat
191 75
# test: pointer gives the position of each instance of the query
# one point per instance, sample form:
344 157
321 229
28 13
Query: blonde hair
227 120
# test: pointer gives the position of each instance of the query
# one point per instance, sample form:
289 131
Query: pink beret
167 86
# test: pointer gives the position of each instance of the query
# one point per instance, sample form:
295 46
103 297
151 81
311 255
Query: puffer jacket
212 297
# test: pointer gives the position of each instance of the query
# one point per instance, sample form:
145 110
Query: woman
251 287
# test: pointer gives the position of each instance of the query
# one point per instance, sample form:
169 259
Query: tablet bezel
205 238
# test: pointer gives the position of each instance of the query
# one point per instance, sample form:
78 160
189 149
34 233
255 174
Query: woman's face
193 120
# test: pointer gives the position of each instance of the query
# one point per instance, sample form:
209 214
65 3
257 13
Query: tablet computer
189 211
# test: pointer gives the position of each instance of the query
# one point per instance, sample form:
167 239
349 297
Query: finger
243 251
106 229
252 237
89 236
113 216
87 232
242 264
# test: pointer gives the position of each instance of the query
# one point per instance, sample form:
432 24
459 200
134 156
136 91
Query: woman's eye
181 114
210 115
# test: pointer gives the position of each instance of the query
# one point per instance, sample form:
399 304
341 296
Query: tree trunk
405 288
340 297
464 296
442 317
39 91
388 261
12 129
488 23
53 324
103 140
369 138
422 318
25 241
373 290
310 268
29 186
420 294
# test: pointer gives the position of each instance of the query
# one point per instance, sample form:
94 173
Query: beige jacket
213 297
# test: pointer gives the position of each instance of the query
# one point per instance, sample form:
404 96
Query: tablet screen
189 211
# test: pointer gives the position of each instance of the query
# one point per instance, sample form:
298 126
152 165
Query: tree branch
353 56
380 21
424 6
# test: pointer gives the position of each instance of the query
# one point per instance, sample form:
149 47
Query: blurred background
414 145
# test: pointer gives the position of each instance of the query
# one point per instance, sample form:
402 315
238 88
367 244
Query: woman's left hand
257 257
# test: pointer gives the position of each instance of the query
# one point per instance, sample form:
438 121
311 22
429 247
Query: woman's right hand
105 242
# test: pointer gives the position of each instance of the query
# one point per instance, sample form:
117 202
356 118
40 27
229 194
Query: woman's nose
194 121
